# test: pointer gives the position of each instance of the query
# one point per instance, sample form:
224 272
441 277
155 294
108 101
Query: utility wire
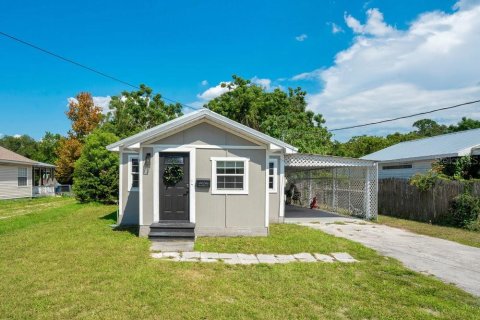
405 117
103 74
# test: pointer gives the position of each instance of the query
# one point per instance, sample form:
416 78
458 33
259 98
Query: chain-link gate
342 185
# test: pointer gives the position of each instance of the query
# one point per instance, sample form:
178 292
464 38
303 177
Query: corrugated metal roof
446 145
9 156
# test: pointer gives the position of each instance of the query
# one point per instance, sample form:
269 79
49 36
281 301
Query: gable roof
455 144
194 117
8 156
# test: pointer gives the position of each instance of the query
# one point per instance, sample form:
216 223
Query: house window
22 177
230 175
133 172
272 175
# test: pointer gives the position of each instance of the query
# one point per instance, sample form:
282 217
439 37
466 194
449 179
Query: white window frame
130 171
275 175
22 176
245 175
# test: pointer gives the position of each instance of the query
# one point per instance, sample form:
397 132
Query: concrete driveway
449 261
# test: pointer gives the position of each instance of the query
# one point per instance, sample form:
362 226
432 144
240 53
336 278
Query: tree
24 145
280 114
47 147
85 116
465 124
96 171
69 150
132 112
429 128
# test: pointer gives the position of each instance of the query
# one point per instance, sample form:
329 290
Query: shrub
464 211
96 171
425 181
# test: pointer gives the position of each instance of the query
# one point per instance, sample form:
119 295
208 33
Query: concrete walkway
449 261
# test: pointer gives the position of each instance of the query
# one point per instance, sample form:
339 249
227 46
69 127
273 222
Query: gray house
201 172
21 177
204 174
405 159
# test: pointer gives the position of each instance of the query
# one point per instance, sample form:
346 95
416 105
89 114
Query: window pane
271 165
135 180
270 182
173 160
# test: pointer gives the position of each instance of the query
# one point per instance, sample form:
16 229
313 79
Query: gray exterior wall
406 173
9 188
205 134
147 187
130 199
231 214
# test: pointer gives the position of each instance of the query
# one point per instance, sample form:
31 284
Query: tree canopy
280 114
135 111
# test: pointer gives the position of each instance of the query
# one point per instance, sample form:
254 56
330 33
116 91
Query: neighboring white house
405 159
21 177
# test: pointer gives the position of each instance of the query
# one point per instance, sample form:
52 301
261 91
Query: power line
405 117
103 74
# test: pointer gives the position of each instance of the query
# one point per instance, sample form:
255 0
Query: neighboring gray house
201 174
405 159
21 177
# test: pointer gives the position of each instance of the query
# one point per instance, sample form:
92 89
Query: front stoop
167 230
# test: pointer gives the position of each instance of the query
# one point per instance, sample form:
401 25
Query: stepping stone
232 261
172 245
284 258
323 257
243 256
157 255
209 255
171 254
227 256
305 257
208 260
190 255
183 259
343 257
242 261
266 258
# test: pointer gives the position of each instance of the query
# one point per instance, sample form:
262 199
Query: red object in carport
313 204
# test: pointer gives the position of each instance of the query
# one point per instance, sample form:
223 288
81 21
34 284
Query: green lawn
18 207
470 238
67 263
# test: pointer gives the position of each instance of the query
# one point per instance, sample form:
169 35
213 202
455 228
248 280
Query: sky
359 61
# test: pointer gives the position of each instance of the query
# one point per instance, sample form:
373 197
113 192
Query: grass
67 263
18 207
469 238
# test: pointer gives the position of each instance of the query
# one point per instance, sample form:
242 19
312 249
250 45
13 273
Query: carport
339 184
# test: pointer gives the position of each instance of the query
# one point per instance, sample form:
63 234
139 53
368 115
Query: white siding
9 188
406 173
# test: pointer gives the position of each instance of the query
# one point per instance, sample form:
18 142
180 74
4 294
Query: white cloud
336 28
102 102
313 75
204 83
375 25
212 93
388 72
266 83
17 135
301 37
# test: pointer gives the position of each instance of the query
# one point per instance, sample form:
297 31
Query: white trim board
246 179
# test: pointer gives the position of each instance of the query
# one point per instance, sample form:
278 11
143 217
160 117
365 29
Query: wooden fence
397 198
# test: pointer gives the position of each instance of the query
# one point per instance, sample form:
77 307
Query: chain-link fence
346 190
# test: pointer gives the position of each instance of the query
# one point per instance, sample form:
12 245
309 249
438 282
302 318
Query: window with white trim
22 177
133 172
272 175
230 175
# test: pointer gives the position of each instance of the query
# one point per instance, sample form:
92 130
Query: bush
425 181
464 211
95 178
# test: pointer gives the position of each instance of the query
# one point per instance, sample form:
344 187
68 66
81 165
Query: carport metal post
368 194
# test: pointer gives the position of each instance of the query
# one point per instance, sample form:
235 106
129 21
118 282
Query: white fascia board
432 157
